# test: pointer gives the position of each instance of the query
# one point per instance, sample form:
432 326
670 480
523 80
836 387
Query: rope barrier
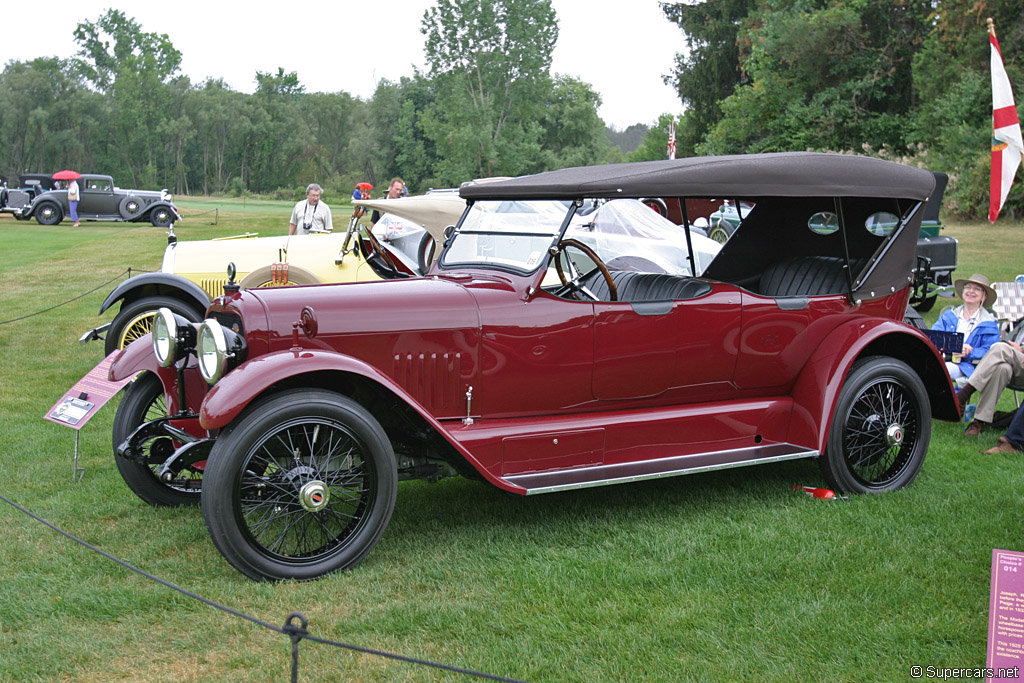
296 633
46 310
215 212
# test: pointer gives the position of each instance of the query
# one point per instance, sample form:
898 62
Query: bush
236 187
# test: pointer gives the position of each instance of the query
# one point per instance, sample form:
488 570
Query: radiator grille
213 287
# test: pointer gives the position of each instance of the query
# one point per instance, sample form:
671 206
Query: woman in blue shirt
973 319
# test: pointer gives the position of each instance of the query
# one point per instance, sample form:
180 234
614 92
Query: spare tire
130 207
913 318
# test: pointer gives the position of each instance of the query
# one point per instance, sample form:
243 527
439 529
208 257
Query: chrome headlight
165 337
217 349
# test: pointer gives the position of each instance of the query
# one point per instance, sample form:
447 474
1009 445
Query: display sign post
82 401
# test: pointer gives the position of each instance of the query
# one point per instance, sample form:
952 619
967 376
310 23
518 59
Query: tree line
903 79
488 106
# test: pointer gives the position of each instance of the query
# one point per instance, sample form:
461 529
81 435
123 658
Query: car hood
367 309
246 252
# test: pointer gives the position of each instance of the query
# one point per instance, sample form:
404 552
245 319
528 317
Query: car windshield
625 233
510 233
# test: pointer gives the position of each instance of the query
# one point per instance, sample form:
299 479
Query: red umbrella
67 175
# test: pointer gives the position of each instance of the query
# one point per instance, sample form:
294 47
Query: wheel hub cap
894 434
314 496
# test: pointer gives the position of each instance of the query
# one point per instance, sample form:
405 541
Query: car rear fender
148 284
816 390
250 380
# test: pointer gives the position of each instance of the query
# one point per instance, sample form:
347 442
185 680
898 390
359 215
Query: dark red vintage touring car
560 341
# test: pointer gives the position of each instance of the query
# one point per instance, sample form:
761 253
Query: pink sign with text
80 403
1006 612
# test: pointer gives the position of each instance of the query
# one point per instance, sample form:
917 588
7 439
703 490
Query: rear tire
913 318
880 429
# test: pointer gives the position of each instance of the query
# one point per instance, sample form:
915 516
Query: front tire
926 304
143 402
48 214
880 430
720 233
161 217
135 319
301 485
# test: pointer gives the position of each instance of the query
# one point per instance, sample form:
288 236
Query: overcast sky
621 48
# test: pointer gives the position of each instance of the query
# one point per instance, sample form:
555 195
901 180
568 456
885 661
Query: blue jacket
981 338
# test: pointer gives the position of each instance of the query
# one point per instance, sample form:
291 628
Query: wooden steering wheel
572 284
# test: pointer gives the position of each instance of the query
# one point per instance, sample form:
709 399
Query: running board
551 481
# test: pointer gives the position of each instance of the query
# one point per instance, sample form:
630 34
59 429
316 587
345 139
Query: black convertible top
784 174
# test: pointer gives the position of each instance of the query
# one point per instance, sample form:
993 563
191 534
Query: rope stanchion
47 310
295 632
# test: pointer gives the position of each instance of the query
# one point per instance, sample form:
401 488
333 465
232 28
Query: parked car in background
936 253
13 199
545 352
193 272
101 200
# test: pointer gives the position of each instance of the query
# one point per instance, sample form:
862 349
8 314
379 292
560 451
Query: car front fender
816 390
144 215
134 358
249 380
156 283
139 357
230 396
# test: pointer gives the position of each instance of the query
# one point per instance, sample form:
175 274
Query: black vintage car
30 185
101 200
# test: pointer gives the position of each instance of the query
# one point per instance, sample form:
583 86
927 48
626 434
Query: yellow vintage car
194 273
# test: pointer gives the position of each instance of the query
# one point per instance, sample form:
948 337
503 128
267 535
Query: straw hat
981 281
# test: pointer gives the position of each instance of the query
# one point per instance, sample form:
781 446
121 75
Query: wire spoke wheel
301 485
144 402
135 319
879 433
136 328
880 429
304 490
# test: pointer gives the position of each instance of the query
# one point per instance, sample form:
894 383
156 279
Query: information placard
1006 612
80 403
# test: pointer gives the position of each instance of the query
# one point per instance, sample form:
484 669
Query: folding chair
1009 310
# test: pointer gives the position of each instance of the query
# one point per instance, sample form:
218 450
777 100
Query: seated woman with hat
973 320
979 370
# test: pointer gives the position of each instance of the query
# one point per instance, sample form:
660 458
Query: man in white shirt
311 214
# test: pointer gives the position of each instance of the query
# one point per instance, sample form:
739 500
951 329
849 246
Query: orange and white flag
1007 145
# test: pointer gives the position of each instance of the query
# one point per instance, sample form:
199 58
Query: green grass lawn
723 576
